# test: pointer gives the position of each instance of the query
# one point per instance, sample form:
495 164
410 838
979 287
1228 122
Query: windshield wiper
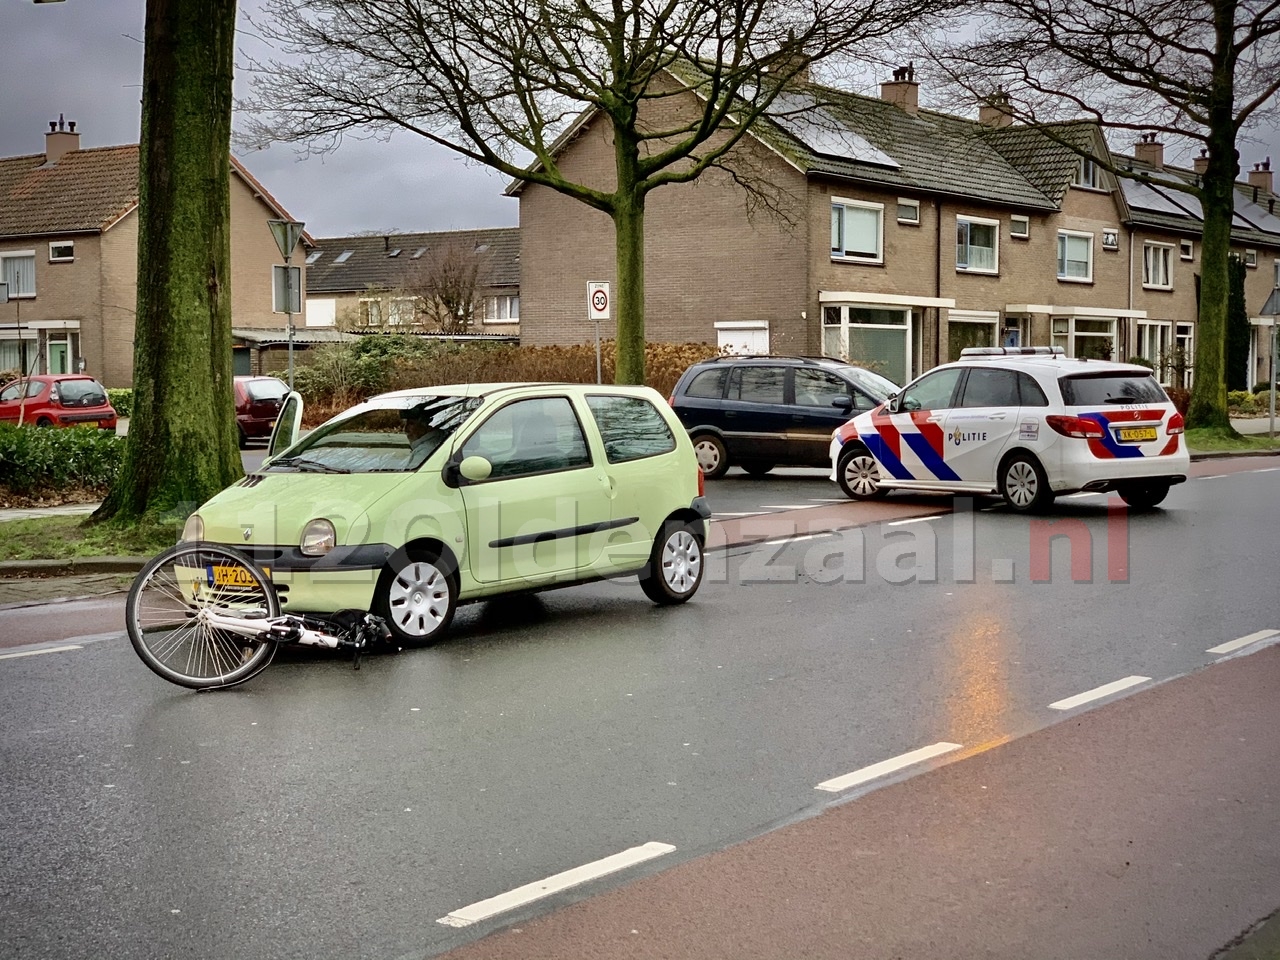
307 466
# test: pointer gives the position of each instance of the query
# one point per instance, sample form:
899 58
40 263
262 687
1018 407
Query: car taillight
1176 424
702 483
1075 426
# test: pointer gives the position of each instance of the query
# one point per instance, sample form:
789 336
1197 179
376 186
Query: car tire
713 458
1024 484
44 422
243 438
859 475
674 571
758 469
416 595
1143 496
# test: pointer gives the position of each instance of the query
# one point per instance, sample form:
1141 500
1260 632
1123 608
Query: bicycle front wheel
166 615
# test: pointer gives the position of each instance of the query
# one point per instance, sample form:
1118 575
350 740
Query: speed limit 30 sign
598 301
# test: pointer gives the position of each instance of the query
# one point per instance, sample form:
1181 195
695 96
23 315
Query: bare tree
1195 71
507 83
182 435
445 284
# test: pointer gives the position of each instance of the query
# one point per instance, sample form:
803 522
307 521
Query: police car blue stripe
886 458
1126 452
930 457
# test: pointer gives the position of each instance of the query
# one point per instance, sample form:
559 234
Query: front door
533 518
59 356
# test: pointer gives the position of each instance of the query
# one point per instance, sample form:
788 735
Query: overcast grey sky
83 59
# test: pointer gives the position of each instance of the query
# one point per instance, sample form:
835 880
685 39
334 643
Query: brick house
394 282
898 236
69 254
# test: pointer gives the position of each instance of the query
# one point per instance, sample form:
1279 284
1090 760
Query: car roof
771 358
485 389
1051 365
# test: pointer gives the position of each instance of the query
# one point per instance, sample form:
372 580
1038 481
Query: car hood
273 508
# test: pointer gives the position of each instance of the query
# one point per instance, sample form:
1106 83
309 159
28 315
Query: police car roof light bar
1012 352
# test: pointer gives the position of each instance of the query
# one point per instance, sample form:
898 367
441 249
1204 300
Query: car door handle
996 416
933 419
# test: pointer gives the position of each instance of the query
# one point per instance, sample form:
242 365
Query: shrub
35 461
121 399
1181 398
1262 401
1260 387
1240 400
1142 362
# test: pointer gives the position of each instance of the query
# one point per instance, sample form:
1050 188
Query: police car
1027 423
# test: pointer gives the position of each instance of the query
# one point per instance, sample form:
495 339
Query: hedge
121 399
35 460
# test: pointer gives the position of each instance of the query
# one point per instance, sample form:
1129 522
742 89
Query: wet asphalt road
319 812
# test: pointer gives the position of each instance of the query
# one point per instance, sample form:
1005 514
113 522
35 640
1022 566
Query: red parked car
61 400
258 401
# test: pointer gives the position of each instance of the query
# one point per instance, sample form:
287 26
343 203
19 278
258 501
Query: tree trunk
1209 389
629 299
182 446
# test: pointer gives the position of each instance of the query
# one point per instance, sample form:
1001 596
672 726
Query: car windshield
82 392
391 435
1087 390
876 386
269 389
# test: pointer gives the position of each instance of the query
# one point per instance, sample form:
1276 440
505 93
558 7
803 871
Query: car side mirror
844 403
475 468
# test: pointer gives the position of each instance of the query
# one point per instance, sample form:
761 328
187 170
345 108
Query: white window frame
1155 340
67 246
1062 236
1250 258
1087 174
1186 249
370 311
1154 256
911 205
968 221
1067 339
1111 238
398 307
19 255
499 309
1184 339
843 325
313 256
1017 220
843 203
986 318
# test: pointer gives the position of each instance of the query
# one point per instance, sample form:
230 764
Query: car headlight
318 538
193 529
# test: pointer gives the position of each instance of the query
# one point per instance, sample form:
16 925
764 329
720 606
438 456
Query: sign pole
287 233
1272 378
599 378
597 311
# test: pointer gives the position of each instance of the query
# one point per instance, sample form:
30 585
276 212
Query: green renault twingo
413 502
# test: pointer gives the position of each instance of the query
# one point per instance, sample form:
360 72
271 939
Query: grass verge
63 538
1214 440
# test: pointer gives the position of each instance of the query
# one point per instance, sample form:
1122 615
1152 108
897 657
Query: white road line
898 523
1086 493
846 499
35 653
1266 470
838 784
789 506
745 513
807 536
530 892
1242 642
1098 693
1214 476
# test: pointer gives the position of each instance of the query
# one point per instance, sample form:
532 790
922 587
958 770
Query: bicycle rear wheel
166 621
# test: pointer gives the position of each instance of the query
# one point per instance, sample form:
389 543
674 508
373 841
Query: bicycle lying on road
206 616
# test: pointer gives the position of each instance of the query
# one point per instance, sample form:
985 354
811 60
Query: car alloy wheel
859 476
1023 484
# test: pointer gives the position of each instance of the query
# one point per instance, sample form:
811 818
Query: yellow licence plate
1136 434
220 576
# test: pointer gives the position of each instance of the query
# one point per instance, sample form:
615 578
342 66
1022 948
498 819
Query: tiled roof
931 152
86 190
1152 205
370 265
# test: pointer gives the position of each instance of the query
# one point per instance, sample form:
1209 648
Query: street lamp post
287 233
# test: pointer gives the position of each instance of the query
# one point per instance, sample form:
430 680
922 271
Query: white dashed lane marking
1106 690
36 653
484 909
885 767
1233 645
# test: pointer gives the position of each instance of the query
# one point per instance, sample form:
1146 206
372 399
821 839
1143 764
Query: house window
1087 173
371 313
1154 340
62 251
1251 258
1075 256
502 309
1085 338
970 330
1183 360
401 311
878 338
977 245
1157 266
857 231
394 253
1019 227
909 211
1110 239
343 257
313 256
1187 249
18 270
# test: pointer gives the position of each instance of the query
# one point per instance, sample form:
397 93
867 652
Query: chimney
61 138
1201 163
994 111
903 92
1150 151
1260 176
